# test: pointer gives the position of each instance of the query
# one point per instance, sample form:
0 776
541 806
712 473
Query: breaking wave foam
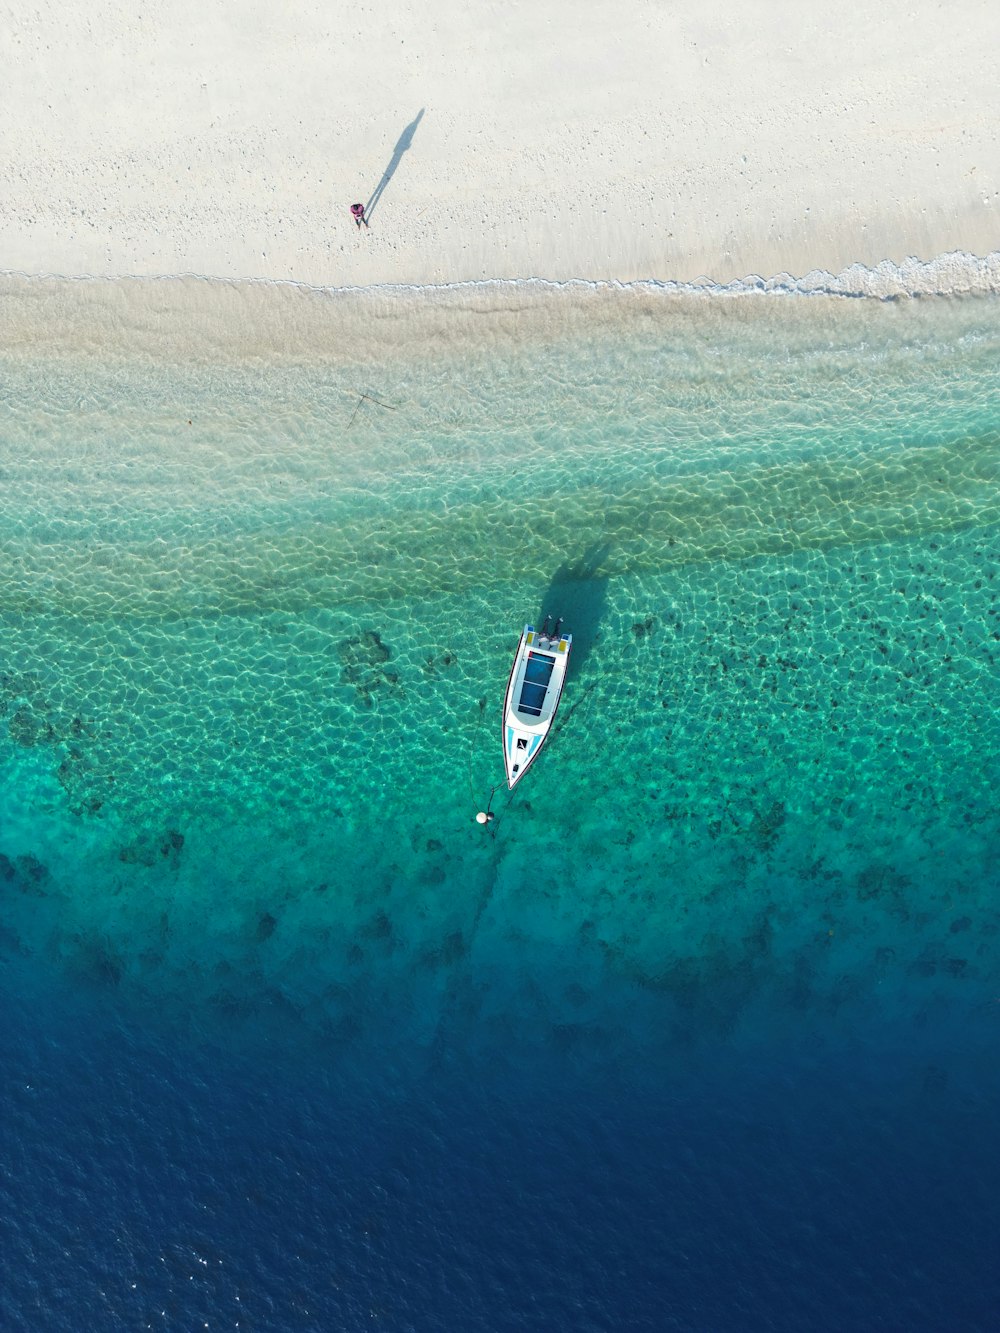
956 273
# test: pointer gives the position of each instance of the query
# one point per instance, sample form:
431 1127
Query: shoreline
192 318
951 273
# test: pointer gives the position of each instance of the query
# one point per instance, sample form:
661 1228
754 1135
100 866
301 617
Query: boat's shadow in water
578 592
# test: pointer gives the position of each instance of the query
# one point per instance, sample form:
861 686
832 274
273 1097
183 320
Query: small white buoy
484 816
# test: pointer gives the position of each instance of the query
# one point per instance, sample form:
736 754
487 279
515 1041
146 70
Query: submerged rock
365 650
363 664
766 825
28 729
25 873
266 926
148 849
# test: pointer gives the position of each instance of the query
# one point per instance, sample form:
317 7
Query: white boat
533 692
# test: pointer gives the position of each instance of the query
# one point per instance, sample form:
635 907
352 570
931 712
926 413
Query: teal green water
256 627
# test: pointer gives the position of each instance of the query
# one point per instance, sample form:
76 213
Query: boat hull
534 688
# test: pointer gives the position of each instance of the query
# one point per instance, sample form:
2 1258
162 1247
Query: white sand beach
559 139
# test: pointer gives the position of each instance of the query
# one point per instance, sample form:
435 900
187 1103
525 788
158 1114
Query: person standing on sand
358 214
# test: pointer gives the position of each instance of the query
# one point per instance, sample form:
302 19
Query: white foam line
956 273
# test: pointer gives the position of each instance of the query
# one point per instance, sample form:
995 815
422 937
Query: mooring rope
491 821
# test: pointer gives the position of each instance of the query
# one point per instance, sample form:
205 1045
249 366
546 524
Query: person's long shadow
578 592
402 144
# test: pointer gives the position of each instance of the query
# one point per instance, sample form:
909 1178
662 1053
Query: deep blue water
159 1180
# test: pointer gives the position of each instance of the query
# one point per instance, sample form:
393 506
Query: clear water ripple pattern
226 607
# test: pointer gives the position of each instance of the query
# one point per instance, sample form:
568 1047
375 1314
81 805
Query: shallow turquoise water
247 609
256 628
